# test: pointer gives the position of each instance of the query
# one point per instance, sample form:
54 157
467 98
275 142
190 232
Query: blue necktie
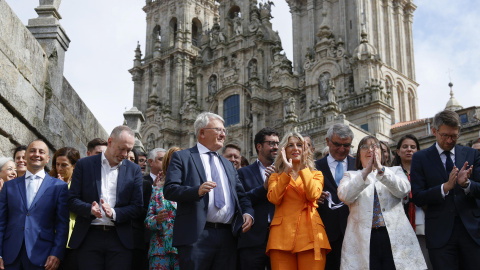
339 172
218 197
31 190
448 162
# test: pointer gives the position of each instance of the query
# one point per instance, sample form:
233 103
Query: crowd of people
120 208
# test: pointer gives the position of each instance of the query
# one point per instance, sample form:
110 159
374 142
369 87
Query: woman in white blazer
378 234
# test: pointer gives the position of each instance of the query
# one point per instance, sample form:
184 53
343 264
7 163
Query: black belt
218 225
102 227
377 229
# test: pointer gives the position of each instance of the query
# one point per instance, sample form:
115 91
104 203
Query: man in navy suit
106 196
33 216
333 212
211 203
252 244
446 180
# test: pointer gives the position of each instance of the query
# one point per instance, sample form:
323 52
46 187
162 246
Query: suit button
28 214
383 209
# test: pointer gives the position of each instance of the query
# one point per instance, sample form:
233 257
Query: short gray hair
447 118
203 119
4 160
311 140
117 131
153 153
343 131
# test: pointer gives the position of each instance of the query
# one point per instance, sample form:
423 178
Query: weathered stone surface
36 101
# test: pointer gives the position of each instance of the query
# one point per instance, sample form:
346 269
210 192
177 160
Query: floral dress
162 255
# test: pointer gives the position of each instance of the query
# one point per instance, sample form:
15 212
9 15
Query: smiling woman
294 189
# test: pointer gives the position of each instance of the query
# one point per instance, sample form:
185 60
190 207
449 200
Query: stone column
54 40
402 41
391 34
409 36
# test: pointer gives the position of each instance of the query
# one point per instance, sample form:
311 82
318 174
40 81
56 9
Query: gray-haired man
332 211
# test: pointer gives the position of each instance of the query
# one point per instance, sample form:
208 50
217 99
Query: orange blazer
296 225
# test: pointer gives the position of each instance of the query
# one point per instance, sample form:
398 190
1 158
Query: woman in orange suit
297 235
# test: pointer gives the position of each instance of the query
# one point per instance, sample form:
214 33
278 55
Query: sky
104 35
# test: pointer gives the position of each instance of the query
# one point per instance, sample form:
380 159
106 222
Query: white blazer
358 195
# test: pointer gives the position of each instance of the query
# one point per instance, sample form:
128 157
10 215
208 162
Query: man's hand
1 264
52 263
107 209
247 223
452 178
162 216
464 174
96 210
322 198
206 187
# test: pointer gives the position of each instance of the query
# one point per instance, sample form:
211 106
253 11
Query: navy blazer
43 227
184 176
252 182
427 175
86 188
335 221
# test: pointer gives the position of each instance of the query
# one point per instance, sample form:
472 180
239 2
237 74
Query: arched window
231 110
173 31
157 34
196 32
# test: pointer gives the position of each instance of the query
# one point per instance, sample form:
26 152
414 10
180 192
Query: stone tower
363 49
219 56
353 63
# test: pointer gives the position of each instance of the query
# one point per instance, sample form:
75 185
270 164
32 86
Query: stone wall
30 107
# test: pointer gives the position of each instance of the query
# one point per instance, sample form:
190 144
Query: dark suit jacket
184 176
427 175
86 188
140 234
252 182
335 221
43 226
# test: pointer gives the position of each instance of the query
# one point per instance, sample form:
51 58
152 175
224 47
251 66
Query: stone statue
323 85
221 37
212 85
151 142
290 106
253 69
331 92
237 24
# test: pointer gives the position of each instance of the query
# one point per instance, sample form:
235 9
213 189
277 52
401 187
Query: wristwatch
466 184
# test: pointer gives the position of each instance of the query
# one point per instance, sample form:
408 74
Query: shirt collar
153 176
440 150
331 160
260 164
40 174
202 149
105 162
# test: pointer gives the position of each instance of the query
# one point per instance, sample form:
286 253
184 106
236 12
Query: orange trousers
305 260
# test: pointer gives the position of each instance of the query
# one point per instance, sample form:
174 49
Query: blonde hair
280 165
166 162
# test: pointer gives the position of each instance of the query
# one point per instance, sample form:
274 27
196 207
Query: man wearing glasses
445 179
332 211
212 205
254 178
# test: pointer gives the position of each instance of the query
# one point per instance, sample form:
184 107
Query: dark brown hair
358 162
71 153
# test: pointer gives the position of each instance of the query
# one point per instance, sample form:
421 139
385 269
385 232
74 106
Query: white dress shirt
154 177
108 191
225 214
36 183
332 164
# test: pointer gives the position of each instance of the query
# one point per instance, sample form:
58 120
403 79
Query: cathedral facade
352 63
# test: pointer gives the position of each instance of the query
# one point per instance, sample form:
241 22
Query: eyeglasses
272 143
369 146
345 145
446 136
219 130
